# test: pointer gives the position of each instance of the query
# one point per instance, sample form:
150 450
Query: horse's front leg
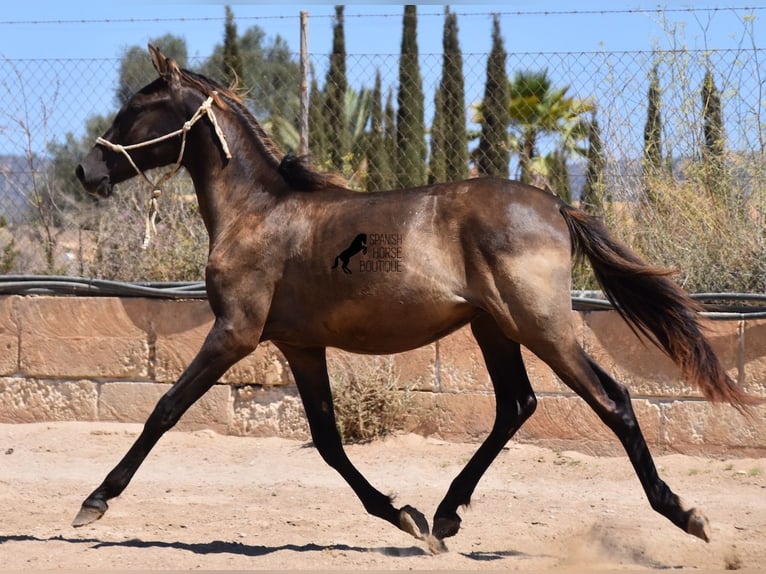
222 348
309 367
515 403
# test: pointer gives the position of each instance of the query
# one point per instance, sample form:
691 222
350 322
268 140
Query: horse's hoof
89 512
446 527
412 521
436 545
698 525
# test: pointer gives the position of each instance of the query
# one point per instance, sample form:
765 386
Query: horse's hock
110 359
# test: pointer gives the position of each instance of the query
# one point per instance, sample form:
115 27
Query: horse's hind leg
220 350
515 403
309 367
611 402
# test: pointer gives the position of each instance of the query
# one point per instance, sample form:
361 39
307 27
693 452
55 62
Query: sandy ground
212 502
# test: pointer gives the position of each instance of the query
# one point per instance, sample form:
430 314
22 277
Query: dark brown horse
500 260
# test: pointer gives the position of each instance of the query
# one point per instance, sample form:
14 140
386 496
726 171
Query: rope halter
205 109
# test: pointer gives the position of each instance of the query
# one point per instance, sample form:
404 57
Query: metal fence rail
717 306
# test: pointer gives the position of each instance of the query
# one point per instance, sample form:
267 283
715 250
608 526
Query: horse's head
154 111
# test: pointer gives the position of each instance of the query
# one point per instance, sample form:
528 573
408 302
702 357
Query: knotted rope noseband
205 109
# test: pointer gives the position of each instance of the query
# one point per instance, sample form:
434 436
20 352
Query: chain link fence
53 109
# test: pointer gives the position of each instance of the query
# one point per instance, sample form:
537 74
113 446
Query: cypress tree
317 128
335 102
233 69
557 172
493 155
410 125
389 140
378 166
455 138
437 161
715 136
594 191
652 165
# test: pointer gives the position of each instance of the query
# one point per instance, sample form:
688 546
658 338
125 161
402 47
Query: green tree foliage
232 60
358 105
492 155
378 162
437 160
270 78
712 116
652 161
538 110
557 173
715 137
389 136
455 137
410 123
317 131
336 87
136 69
594 191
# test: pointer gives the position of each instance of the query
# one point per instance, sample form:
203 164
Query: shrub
712 245
369 404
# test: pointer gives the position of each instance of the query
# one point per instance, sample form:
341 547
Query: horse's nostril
80 172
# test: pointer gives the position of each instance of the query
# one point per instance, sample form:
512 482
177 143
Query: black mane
297 172
301 175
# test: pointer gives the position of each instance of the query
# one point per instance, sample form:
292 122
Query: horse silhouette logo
358 244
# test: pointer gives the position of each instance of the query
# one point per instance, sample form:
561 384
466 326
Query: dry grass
713 245
369 403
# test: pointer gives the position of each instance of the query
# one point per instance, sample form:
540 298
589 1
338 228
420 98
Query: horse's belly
379 326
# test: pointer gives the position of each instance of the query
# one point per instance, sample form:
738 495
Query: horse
501 256
359 243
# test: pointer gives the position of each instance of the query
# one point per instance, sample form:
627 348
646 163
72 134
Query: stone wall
110 359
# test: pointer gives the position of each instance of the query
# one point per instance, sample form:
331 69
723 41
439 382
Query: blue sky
602 24
79 29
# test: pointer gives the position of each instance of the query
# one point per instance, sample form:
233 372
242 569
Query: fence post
304 96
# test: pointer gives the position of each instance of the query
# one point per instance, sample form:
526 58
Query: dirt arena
212 502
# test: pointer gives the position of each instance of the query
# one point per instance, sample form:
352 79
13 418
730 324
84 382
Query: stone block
641 366
133 402
9 336
461 365
542 377
65 337
571 419
416 369
413 370
754 357
453 416
31 400
265 366
269 412
181 328
698 427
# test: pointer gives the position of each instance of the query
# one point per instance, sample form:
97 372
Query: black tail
654 305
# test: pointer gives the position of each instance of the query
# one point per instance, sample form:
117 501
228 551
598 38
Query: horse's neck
226 187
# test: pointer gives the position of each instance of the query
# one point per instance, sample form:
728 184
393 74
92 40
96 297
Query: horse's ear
166 67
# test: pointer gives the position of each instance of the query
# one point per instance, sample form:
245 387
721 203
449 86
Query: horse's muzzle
94 182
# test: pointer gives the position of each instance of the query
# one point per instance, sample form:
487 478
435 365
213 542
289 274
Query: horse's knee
165 414
512 414
527 406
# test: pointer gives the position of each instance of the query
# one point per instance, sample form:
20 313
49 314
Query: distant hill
15 182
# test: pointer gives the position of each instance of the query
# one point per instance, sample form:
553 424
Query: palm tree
537 110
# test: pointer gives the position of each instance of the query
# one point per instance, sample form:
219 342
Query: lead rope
150 227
